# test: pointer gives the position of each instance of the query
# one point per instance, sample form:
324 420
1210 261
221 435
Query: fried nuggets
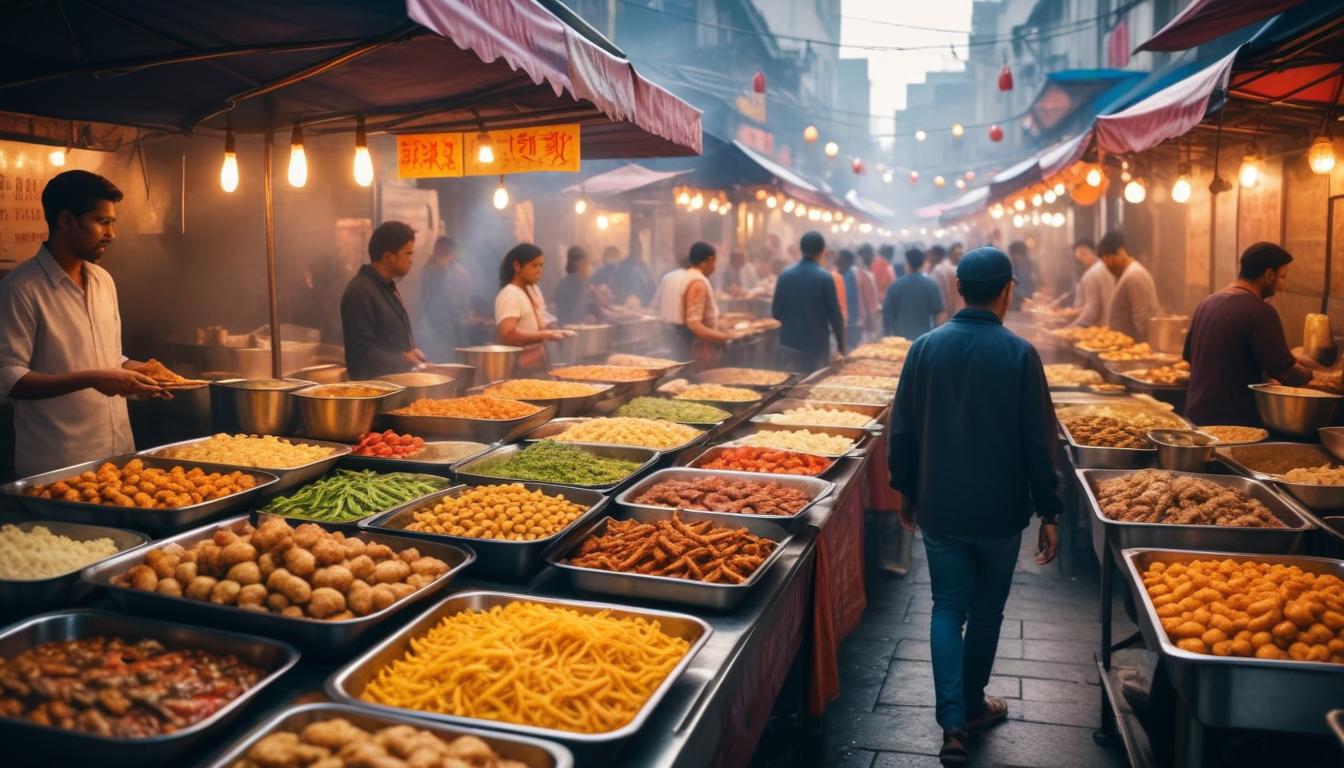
698 551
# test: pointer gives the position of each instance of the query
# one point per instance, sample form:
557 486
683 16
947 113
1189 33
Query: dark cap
984 265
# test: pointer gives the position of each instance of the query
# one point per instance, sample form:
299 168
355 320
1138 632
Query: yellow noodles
533 665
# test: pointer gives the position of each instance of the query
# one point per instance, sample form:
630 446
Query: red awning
620 181
1204 20
1318 84
1171 112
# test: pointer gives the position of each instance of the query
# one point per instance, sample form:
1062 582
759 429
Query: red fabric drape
1171 112
839 595
1203 20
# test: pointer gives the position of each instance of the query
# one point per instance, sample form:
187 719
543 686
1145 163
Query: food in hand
136 485
610 373
713 493
570 671
768 460
1264 610
388 444
672 410
260 451
820 416
40 554
347 495
470 407
700 551
744 377
540 389
547 461
167 378
502 512
1155 496
117 688
276 568
716 392
338 743
802 440
622 430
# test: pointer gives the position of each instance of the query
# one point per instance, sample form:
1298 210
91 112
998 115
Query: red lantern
758 82
1005 79
995 133
856 165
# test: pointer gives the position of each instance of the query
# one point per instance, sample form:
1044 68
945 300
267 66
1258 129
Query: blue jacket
911 304
806 304
973 440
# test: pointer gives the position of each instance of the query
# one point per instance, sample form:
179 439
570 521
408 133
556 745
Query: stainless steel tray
1314 497
475 430
1139 385
574 405
735 407
57 746
705 425
259 515
551 429
1236 692
873 412
663 370
696 594
859 435
350 680
820 490
1100 457
1223 538
646 457
534 753
156 522
24 597
315 636
288 478
412 464
499 559
633 388
718 376
804 393
712 453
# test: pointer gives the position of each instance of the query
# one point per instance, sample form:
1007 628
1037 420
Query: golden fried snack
1156 496
470 407
508 512
696 551
135 485
623 430
716 392
539 389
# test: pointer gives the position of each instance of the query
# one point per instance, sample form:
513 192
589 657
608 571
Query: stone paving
884 717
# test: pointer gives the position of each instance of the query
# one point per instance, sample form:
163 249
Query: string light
939 181
828 217
1180 191
1059 189
581 205
800 211
714 204
958 130
56 158
1018 221
771 201
1049 196
811 134
298 160
1321 156
996 212
602 221
961 183
1020 204
684 198
1036 200
887 176
1249 174
697 202
914 177
501 198
832 149
813 215
1135 192
789 205
920 135
363 162
1094 177
228 170
760 194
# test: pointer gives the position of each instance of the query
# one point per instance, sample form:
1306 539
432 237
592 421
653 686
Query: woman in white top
520 310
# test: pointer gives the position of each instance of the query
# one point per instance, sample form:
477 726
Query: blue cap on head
984 265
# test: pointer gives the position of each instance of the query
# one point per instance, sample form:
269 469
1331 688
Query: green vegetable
672 410
348 495
550 462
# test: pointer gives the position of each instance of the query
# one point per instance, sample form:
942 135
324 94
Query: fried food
1326 474
621 430
1070 375
167 378
802 440
1235 434
502 512
714 493
263 452
607 373
338 743
768 460
334 391
540 389
1155 496
135 485
1165 375
470 407
719 393
744 377
40 554
700 551
1108 427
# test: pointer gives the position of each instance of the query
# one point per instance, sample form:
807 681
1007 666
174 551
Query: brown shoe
995 711
954 748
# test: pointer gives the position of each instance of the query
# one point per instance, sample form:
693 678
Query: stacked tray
818 488
20 597
646 457
31 742
1232 691
287 477
156 522
668 589
1250 461
472 430
323 637
495 558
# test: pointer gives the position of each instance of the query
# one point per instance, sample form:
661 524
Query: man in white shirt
60 336
1135 298
944 273
1095 287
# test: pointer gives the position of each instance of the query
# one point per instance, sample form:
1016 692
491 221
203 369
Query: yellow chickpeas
502 512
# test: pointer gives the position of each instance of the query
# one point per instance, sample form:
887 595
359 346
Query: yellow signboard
429 155
526 150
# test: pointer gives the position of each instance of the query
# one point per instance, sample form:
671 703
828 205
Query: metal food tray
632 388
668 589
24 597
318 636
260 514
663 370
156 522
804 392
350 680
1147 387
820 490
58 746
1314 497
288 477
713 452
646 457
551 429
1232 691
573 405
1100 457
707 426
874 412
495 558
474 430
1223 538
410 463
534 753
859 435
708 377
735 407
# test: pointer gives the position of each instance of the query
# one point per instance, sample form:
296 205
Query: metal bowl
491 361
342 419
254 406
419 385
1333 440
24 597
1182 450
1294 414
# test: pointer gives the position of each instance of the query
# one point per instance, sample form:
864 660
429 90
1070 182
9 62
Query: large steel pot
340 419
254 406
419 385
493 362
1293 410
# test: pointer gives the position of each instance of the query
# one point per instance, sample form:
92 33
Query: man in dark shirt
1236 339
912 302
572 301
806 304
973 449
374 323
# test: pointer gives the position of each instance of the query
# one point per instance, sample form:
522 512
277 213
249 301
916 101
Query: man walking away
806 304
913 302
973 377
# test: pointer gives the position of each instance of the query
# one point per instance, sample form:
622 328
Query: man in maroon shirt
1236 340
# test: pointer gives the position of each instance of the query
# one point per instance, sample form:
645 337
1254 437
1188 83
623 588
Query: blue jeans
970 580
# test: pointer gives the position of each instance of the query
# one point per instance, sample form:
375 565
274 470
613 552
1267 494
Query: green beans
347 495
547 461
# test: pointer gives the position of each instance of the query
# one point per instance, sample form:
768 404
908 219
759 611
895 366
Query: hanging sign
429 155
526 150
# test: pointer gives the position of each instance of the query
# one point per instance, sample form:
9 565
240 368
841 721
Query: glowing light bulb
811 134
714 204
1180 191
939 181
832 149
1249 174
1321 156
1126 176
602 221
800 211
771 201
961 183
56 159
684 198
1059 189
865 227
1036 200
501 196
835 228
958 130
814 215
789 205
1135 192
828 217
888 176
920 135
697 202
996 212
1020 204
1018 221
228 170
298 161
581 205
1049 196
760 194
485 148
1093 177
363 161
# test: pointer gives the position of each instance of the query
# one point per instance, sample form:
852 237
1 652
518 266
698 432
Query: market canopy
1071 96
622 180
969 204
1204 20
767 171
1171 112
868 208
403 65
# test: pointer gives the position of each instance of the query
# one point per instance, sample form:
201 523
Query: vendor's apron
705 354
533 357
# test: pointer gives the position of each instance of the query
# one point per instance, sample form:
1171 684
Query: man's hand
558 334
1047 542
907 513
123 382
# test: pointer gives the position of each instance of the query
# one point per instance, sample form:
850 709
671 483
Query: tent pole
269 198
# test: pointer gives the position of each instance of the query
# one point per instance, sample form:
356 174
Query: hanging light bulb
771 201
789 205
939 181
800 211
714 204
56 158
501 198
832 149
920 135
827 217
697 202
602 221
1135 192
485 147
887 176
1059 189
1125 176
684 198
298 161
1035 218
1049 196
228 170
1321 156
958 130
813 215
811 134
581 205
970 175
1094 176
961 183
1249 174
996 212
1036 200
1180 191
760 194
363 162
905 231
1020 204
1018 220
835 229
914 177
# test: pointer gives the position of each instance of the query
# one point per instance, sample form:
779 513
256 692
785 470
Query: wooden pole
269 199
